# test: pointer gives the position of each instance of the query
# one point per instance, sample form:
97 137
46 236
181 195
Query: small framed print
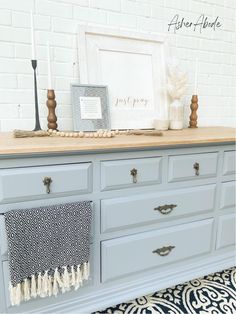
90 107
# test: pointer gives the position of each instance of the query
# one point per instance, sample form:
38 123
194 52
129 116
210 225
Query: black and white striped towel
48 249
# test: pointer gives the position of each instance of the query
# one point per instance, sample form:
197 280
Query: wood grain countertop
187 137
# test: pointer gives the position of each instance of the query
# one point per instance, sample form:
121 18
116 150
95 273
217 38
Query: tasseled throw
47 285
26 289
33 287
72 276
39 285
44 291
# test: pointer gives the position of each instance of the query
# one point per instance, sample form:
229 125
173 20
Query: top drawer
27 183
229 162
130 173
192 167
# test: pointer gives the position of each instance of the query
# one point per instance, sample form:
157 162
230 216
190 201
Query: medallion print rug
212 294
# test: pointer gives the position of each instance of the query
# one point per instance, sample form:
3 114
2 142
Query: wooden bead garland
98 134
104 133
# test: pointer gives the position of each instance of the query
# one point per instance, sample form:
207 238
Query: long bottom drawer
226 232
152 249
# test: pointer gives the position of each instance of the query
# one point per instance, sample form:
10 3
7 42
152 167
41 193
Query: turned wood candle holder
193 116
51 104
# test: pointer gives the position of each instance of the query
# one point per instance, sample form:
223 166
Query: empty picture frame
90 107
132 66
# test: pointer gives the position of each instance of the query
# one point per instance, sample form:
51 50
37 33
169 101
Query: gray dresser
163 212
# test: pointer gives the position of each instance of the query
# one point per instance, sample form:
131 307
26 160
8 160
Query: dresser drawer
3 237
228 190
6 279
152 249
27 183
130 173
192 167
229 162
226 233
133 211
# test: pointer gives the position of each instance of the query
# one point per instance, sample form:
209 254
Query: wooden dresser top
43 145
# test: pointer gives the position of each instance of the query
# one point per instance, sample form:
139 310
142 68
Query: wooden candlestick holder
37 122
51 104
193 116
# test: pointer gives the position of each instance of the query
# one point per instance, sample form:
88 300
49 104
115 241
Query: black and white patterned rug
212 294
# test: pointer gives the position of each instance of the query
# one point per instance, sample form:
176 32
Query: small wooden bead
108 134
50 130
86 134
90 134
100 134
95 135
81 134
62 134
67 134
104 134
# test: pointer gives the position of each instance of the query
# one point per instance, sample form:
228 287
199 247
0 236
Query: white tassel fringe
47 285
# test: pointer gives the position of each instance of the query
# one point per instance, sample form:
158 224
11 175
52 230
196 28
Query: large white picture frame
132 65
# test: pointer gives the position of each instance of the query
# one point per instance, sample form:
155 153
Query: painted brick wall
57 20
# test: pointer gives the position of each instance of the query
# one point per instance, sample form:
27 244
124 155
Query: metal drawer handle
196 166
134 173
165 209
47 181
164 251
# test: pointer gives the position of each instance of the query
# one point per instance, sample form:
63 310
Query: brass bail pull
134 173
47 182
196 166
164 251
165 209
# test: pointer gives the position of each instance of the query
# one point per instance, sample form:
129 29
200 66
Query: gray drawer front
182 167
6 282
3 237
226 234
117 174
27 183
135 253
228 190
133 211
229 162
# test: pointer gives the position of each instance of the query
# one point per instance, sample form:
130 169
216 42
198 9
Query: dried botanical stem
24 133
144 132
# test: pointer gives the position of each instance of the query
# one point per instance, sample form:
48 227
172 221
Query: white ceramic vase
176 115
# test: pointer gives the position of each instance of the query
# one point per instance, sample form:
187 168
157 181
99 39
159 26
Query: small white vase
176 115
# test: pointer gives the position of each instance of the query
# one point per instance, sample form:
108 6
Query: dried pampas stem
176 80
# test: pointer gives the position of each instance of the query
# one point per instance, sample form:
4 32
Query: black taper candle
37 122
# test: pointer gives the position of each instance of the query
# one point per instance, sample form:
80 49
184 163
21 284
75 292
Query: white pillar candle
49 69
196 77
32 38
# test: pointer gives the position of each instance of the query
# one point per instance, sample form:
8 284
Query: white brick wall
57 21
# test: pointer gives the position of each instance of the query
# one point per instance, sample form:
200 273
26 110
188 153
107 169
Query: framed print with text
132 66
90 107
